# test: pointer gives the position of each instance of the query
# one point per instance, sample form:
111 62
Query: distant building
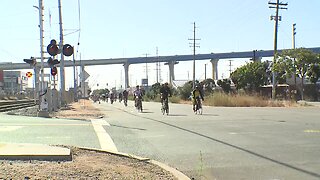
14 82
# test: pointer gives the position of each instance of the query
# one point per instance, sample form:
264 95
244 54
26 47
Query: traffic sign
29 74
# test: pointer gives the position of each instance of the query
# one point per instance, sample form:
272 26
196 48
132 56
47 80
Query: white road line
105 140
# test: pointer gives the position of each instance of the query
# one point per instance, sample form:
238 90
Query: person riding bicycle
165 92
125 96
196 94
137 94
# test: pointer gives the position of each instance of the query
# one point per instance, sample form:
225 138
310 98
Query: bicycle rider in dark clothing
165 92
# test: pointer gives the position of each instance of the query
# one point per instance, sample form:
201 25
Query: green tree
225 84
250 76
185 90
297 62
208 85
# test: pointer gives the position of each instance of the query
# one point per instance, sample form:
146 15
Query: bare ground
85 164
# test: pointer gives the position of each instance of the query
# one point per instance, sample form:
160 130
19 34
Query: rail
15 104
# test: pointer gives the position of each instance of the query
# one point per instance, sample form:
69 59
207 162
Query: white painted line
10 128
105 140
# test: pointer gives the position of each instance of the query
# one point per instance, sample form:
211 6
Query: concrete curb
177 174
25 151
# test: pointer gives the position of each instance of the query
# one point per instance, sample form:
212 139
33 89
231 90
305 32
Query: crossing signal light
52 62
52 48
54 71
30 61
67 50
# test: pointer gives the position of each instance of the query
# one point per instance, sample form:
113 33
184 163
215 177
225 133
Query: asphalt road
223 143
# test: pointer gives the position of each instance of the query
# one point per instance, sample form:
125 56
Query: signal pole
62 75
194 45
293 47
276 18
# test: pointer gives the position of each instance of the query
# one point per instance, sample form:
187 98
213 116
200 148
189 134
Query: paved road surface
223 143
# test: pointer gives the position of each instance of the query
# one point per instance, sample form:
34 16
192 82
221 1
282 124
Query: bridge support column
171 70
83 83
126 75
214 63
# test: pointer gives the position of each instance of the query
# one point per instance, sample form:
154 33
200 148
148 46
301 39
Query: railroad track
15 104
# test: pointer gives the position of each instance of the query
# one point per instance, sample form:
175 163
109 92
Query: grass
233 100
242 100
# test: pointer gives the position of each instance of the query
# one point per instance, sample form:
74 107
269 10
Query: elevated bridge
170 60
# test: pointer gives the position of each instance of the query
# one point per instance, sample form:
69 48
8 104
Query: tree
208 85
297 62
225 84
314 75
250 76
185 90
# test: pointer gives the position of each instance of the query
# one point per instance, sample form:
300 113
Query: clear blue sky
126 28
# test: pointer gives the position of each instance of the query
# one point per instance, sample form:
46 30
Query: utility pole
205 71
276 18
230 67
62 74
194 45
294 47
147 69
157 66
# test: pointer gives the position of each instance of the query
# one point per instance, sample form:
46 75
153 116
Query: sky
125 28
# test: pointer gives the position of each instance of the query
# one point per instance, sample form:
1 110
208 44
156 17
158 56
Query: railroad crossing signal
54 71
29 74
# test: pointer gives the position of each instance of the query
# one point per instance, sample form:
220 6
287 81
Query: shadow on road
176 115
240 148
112 125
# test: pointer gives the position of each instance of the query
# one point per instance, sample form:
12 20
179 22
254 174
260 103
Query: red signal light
54 71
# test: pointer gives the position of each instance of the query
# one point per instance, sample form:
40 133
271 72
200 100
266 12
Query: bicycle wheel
167 108
162 109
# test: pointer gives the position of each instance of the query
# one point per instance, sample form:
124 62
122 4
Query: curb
177 174
26 151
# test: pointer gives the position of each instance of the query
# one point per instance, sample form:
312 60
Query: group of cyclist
165 93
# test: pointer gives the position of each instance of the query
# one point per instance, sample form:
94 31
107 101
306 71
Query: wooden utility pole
276 18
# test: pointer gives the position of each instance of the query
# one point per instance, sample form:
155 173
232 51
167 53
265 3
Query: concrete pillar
126 75
214 63
171 70
258 59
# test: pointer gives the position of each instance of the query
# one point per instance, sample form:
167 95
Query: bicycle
198 106
125 101
165 106
138 103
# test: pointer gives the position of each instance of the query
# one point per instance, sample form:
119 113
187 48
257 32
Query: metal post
41 8
293 47
75 98
194 56
62 74
205 71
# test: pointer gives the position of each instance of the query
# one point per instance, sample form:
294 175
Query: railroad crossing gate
29 74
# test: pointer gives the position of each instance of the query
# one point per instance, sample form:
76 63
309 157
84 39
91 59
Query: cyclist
165 92
137 95
125 97
196 95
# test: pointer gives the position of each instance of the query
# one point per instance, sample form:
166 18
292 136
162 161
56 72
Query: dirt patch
86 164
83 109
